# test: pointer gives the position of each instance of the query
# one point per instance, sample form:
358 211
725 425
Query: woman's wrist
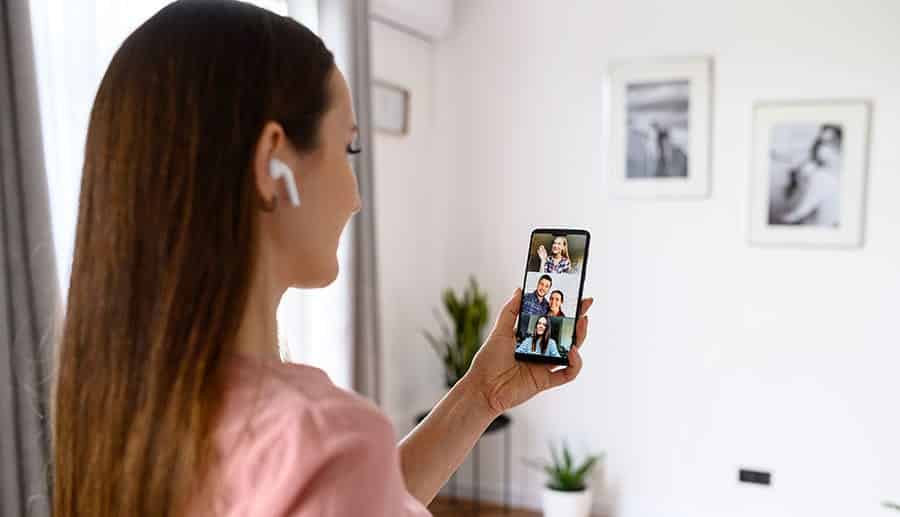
476 399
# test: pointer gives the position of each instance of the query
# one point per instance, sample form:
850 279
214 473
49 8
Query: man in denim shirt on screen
536 302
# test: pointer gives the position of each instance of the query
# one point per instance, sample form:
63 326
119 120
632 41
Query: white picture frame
390 108
659 109
799 200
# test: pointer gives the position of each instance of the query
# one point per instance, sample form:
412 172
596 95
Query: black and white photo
805 174
659 129
809 173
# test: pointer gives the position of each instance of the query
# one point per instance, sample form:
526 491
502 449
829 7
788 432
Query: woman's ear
270 140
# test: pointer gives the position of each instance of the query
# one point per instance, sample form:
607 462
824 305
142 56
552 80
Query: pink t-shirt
291 443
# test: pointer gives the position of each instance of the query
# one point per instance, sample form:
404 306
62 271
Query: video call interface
550 295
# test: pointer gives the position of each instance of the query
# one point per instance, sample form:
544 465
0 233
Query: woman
556 301
540 342
558 259
671 161
813 192
171 398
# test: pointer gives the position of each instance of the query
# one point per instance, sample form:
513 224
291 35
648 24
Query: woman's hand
506 382
496 382
542 253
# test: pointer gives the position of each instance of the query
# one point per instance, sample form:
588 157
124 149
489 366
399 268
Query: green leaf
892 506
445 330
451 305
567 456
441 347
585 468
454 358
561 472
438 344
467 314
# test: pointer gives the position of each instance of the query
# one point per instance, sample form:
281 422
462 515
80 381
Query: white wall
704 354
411 208
429 20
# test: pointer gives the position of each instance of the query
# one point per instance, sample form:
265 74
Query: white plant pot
567 504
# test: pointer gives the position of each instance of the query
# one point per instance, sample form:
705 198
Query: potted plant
457 346
892 506
566 493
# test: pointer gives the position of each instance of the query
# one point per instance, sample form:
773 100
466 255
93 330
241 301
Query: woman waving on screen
557 261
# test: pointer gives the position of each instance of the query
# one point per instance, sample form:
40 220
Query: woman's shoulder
290 442
524 345
298 400
553 349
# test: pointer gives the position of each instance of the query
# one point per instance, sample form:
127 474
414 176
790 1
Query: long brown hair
565 246
165 247
544 341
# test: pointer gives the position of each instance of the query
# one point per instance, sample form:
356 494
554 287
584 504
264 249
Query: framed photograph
809 173
390 108
659 129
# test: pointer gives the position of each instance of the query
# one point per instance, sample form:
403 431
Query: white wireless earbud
278 169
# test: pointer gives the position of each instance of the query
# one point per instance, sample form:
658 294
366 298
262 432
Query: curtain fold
344 26
28 284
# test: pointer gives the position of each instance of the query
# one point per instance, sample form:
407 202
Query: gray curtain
344 26
28 283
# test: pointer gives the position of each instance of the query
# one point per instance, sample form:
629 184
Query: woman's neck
258 333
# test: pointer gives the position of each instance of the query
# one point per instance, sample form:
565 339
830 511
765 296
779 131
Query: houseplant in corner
457 346
566 493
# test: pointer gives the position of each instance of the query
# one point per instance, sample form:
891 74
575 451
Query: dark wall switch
755 476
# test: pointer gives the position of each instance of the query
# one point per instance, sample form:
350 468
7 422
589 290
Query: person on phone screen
556 300
557 261
536 302
540 342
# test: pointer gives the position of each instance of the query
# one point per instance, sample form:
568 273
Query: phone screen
551 294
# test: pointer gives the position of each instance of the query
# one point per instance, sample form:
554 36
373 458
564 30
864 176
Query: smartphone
551 294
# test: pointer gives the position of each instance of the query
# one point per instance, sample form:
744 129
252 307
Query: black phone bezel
534 358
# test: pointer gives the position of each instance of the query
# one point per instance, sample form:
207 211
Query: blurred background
706 355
